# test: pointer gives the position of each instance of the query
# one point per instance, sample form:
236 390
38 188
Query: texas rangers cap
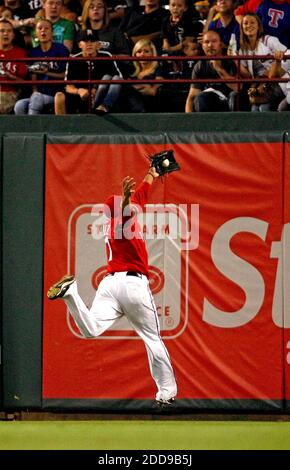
87 35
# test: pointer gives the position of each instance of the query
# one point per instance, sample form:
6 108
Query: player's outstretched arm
151 175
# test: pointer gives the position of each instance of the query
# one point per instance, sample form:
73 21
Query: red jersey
128 253
251 6
15 68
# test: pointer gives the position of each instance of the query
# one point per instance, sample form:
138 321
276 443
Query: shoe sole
165 403
58 289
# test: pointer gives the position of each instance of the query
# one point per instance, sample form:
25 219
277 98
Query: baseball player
125 288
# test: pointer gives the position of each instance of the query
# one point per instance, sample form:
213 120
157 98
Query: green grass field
144 435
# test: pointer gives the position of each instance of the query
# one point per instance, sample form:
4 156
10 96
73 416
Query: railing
90 82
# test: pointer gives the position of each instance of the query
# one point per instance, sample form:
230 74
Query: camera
37 67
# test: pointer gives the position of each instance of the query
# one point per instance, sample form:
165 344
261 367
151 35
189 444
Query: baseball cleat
164 403
58 289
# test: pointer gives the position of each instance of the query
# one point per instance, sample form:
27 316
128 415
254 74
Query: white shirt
266 45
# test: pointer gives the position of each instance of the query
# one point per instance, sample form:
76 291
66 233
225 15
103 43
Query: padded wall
262 342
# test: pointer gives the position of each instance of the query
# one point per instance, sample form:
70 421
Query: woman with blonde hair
140 98
144 47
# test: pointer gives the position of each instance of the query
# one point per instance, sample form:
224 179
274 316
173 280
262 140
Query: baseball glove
164 162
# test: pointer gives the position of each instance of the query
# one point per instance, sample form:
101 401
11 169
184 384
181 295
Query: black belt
134 273
128 273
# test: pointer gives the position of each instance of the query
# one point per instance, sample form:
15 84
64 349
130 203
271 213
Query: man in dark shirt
80 97
144 22
212 96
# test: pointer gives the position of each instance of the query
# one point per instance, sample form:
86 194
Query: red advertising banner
214 258
282 308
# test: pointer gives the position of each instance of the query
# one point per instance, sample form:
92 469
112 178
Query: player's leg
105 309
139 307
93 322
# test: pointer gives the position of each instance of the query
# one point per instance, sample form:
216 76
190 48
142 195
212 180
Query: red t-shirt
123 253
15 68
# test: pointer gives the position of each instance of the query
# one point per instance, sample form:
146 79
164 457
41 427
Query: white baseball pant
131 296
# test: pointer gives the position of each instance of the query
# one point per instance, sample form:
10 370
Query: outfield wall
227 325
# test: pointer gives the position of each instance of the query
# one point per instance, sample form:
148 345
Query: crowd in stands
110 41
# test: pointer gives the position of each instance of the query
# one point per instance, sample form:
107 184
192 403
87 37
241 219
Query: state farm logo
165 235
156 279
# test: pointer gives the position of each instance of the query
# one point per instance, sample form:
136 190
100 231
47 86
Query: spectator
19 38
10 70
144 23
173 95
182 68
95 17
33 6
212 96
22 21
42 98
116 10
274 14
177 27
63 29
282 69
211 16
190 11
190 48
226 24
21 13
140 98
254 42
6 13
70 10
202 7
102 98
